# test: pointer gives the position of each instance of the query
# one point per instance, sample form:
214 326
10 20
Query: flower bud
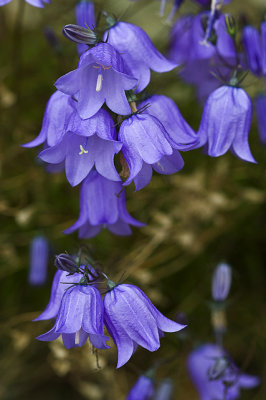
78 34
65 262
39 254
221 282
165 390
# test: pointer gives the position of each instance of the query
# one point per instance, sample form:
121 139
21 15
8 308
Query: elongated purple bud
39 254
78 34
165 390
221 282
66 262
52 39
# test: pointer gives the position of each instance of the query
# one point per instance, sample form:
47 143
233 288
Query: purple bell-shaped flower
131 319
102 205
225 123
87 143
80 316
146 145
101 77
138 52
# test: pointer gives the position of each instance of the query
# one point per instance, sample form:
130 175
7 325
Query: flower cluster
128 315
206 45
102 132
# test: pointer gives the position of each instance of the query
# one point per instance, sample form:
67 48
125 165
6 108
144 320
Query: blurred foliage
213 210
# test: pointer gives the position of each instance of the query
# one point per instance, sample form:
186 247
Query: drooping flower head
101 77
102 205
225 123
147 146
80 317
131 319
215 375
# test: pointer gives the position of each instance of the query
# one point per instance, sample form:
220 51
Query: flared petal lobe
57 292
58 110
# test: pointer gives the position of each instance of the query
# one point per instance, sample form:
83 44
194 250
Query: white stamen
77 337
99 83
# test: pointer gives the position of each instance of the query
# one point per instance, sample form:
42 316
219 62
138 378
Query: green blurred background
213 210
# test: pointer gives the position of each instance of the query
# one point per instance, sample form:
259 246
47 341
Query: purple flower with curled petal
80 316
101 77
60 283
145 140
180 135
102 205
260 109
142 390
210 368
57 113
85 17
87 143
131 319
166 166
36 3
225 123
138 52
